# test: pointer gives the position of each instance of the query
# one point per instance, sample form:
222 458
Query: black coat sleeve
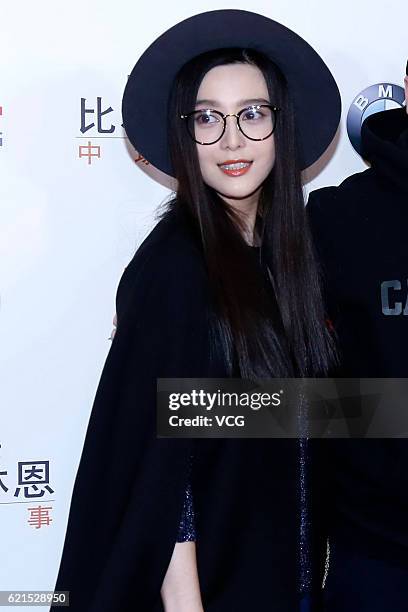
129 489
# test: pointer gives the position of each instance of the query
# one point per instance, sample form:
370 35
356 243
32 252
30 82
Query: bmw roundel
373 99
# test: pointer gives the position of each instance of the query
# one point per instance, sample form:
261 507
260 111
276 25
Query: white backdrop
69 224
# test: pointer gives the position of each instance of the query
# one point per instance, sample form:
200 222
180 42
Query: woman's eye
205 119
252 114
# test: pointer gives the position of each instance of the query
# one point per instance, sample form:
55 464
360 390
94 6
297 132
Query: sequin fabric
304 535
187 532
305 577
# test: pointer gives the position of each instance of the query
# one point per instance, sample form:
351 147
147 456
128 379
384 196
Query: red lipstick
235 167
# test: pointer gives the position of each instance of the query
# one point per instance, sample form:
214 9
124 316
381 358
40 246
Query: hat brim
313 90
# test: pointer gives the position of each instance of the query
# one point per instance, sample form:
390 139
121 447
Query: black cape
129 489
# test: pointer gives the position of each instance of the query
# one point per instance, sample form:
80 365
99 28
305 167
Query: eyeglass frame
237 116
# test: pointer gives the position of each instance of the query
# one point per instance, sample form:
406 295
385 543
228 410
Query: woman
225 285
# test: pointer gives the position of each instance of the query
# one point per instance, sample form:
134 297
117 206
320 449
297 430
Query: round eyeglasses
207 126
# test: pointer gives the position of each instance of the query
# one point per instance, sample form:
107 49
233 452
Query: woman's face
227 89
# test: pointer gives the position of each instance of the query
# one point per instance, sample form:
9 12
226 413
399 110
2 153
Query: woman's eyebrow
239 102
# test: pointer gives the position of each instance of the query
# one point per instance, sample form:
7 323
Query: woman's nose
232 136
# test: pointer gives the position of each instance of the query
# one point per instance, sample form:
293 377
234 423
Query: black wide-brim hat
312 88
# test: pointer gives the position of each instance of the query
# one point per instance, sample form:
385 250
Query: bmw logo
373 99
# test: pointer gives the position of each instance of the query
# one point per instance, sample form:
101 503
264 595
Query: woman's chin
240 192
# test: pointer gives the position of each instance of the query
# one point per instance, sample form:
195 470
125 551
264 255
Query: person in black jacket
224 286
360 230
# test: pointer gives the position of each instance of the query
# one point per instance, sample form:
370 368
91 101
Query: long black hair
265 329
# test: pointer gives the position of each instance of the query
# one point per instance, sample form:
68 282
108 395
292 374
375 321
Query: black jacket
360 229
129 489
